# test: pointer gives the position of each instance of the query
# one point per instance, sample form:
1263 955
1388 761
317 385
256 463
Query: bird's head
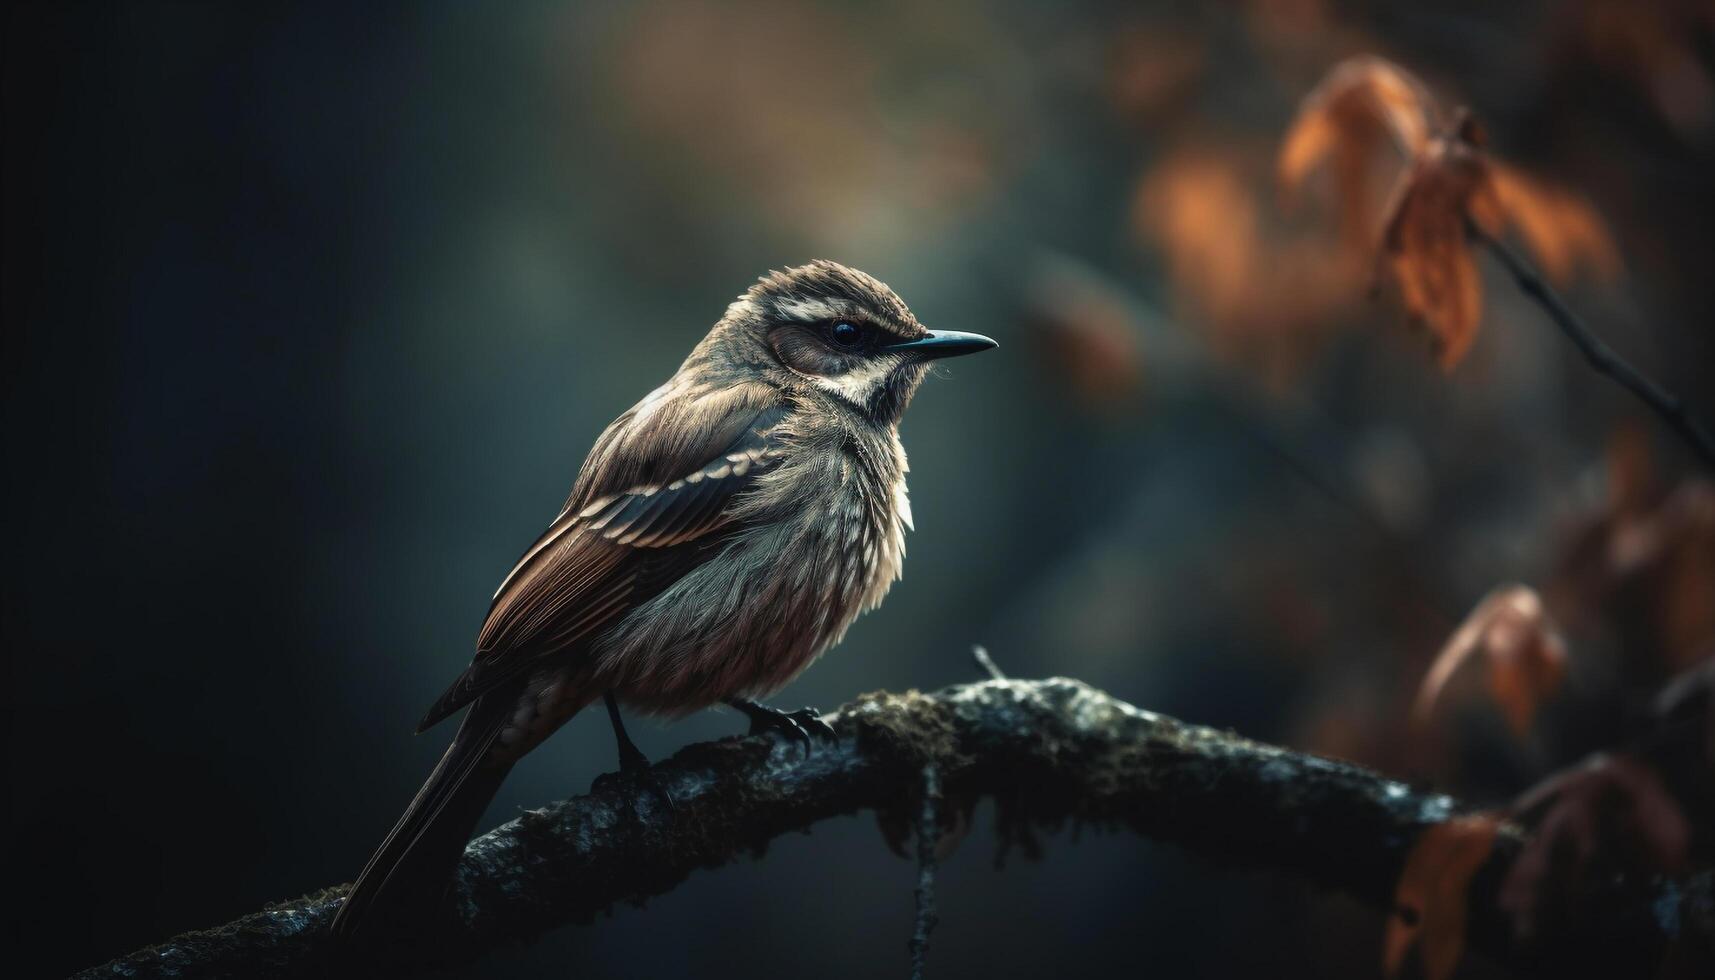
830 331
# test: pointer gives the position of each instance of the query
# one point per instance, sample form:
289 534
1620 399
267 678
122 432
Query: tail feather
404 882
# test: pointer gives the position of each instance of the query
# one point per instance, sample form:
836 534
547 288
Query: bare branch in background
1664 403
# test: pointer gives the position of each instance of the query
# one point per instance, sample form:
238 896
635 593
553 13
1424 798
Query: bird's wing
655 495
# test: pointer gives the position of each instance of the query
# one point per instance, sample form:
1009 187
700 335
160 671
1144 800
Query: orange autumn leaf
1199 206
1429 899
1424 244
1426 248
1357 93
1511 634
1267 299
1368 108
1560 228
1364 104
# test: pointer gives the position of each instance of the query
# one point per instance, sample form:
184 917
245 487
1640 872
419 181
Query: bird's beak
943 343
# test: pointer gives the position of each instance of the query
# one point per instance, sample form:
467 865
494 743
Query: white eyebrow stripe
811 309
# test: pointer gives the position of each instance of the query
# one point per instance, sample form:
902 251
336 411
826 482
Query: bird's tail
402 885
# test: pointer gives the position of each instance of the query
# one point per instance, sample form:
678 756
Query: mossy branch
1049 751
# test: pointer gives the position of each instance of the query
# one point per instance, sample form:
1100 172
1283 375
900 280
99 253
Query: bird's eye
845 333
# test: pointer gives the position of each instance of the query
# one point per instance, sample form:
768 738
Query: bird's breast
824 543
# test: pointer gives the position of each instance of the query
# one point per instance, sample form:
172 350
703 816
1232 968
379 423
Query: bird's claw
810 720
804 725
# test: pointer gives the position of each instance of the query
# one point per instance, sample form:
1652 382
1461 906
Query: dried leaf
1424 245
1366 103
1561 228
1196 203
1511 632
1643 562
1362 106
1430 900
1611 814
1359 101
1267 301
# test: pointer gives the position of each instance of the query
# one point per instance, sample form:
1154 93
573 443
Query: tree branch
1048 751
1664 403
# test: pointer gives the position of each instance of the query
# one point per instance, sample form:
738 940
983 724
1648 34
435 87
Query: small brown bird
721 535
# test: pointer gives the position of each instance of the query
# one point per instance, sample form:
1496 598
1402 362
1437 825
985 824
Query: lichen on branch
1048 751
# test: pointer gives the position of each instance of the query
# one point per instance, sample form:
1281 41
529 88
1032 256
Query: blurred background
311 314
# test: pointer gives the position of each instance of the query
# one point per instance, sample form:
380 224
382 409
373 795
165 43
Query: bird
720 536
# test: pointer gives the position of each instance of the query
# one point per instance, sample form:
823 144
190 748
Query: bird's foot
634 768
632 761
634 772
801 724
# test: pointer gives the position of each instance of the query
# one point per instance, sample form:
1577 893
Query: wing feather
615 547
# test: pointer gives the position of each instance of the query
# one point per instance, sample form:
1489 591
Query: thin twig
1601 357
980 654
928 835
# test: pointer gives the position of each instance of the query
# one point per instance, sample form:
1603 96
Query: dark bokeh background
310 314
